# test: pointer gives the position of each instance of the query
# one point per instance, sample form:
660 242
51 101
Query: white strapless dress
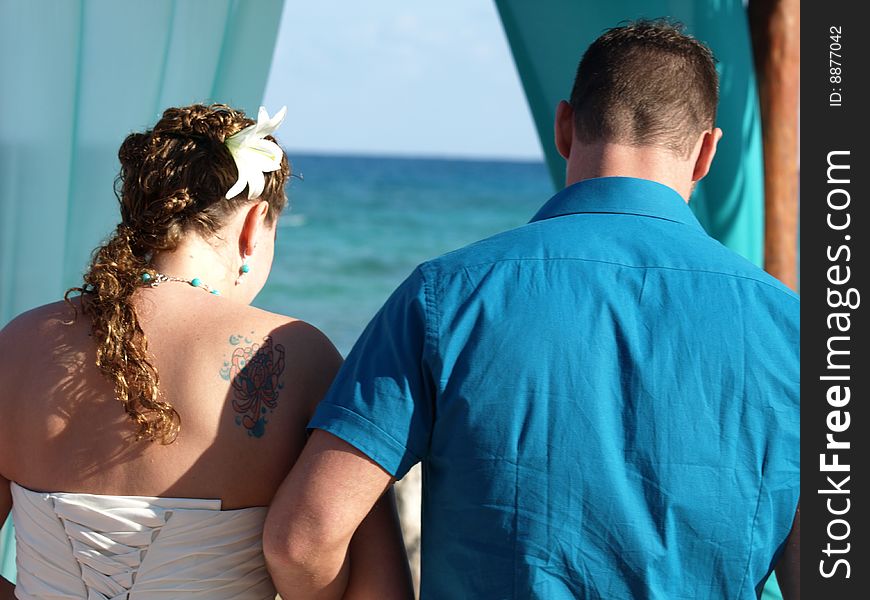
91 547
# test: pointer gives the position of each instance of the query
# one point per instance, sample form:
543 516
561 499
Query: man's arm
314 515
378 562
788 569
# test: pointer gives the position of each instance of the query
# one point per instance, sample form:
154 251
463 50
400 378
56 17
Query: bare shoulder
40 320
27 344
305 342
306 355
36 331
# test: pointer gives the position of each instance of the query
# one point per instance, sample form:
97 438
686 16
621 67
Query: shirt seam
742 322
786 293
430 356
752 538
429 309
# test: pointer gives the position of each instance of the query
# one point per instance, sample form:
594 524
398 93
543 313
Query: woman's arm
378 562
788 569
7 590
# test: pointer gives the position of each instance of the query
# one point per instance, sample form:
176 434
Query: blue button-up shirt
605 402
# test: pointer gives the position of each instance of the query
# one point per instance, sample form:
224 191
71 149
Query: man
605 400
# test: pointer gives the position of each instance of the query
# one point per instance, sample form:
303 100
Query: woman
147 421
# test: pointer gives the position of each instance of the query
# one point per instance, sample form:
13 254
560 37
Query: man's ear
564 128
708 141
253 227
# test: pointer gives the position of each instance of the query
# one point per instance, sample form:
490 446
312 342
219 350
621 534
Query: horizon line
411 156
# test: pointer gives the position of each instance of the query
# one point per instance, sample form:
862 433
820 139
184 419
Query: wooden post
775 30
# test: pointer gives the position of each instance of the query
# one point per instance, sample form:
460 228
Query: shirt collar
621 195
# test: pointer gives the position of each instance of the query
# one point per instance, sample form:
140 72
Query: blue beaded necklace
159 278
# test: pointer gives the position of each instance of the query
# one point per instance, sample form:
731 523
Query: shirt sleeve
382 400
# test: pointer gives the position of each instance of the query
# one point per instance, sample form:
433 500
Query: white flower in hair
255 155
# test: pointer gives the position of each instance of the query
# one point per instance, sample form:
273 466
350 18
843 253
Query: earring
244 269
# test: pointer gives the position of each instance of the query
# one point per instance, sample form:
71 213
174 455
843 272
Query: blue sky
399 78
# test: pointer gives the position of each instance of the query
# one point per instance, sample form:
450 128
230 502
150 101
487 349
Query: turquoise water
357 226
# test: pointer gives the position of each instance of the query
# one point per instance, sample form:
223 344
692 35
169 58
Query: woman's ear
253 227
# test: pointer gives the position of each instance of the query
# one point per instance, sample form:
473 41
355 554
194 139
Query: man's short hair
646 84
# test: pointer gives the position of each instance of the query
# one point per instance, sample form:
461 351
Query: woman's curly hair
173 181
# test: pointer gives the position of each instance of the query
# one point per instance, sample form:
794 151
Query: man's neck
588 161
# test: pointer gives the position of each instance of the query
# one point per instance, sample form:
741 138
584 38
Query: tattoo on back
254 372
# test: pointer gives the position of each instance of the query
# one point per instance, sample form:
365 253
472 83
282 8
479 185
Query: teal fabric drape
77 77
547 40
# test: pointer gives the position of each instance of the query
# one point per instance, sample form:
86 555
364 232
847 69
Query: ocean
357 226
